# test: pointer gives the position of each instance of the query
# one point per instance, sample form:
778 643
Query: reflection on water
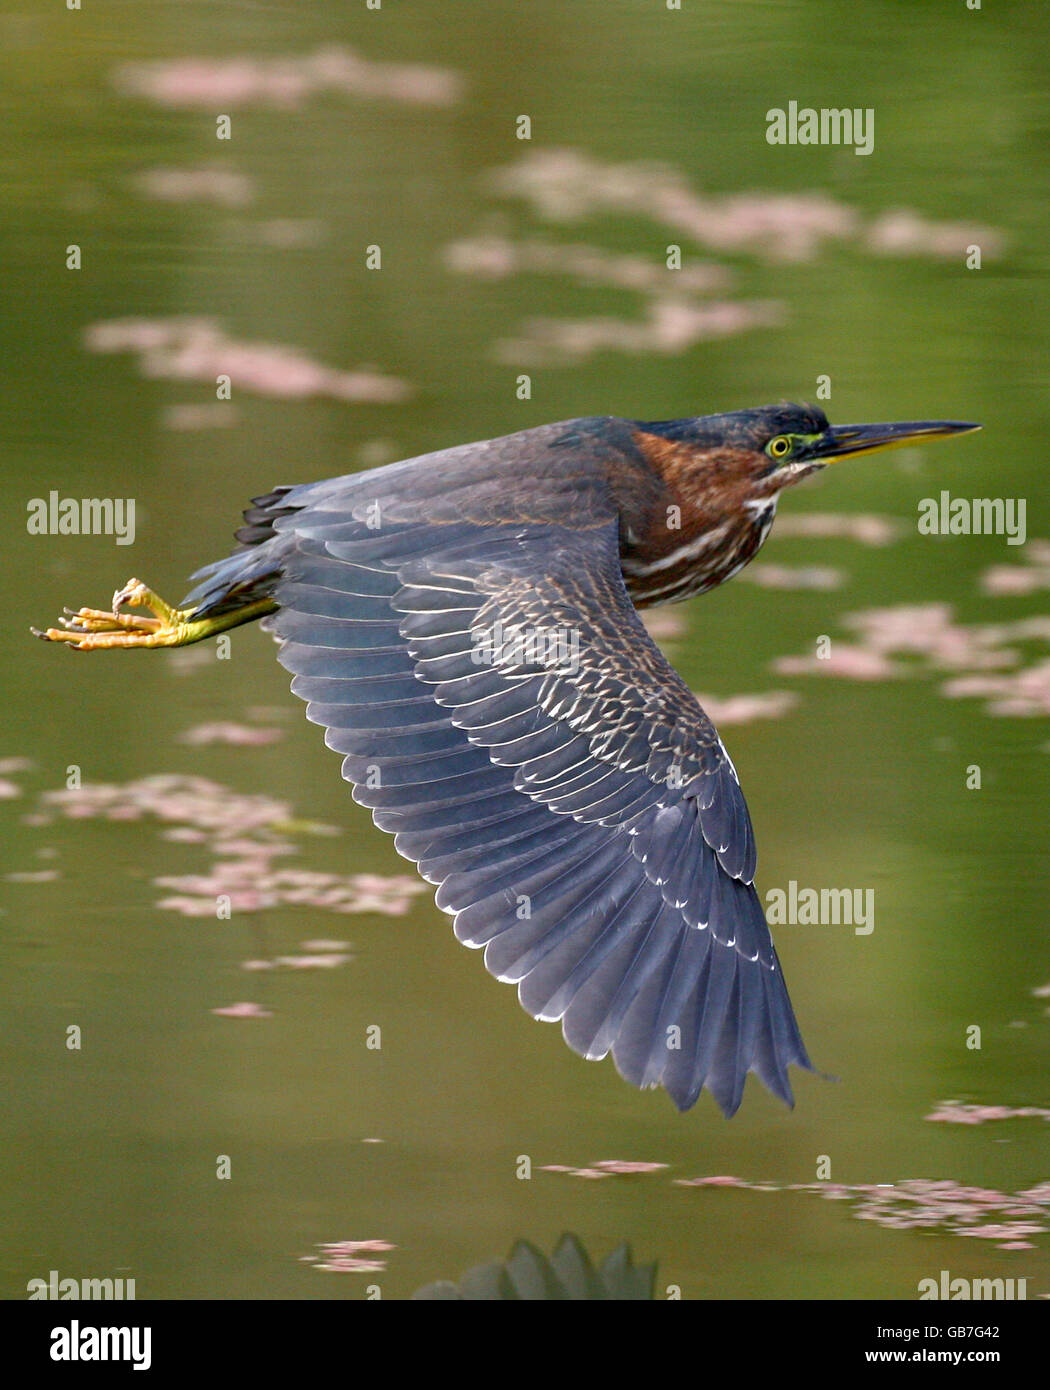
286 81
798 271
569 1274
568 186
187 349
924 1204
986 658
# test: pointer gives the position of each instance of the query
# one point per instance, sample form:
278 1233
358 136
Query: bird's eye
780 447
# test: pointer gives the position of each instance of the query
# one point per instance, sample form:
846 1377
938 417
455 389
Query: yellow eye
780 447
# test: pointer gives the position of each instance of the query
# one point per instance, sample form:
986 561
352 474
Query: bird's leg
91 630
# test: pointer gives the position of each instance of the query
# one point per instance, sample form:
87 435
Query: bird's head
750 456
782 444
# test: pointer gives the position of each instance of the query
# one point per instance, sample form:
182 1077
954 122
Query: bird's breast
666 565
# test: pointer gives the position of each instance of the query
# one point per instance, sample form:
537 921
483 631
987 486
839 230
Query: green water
109 1161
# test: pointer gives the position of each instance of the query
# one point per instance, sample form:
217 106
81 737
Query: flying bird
465 627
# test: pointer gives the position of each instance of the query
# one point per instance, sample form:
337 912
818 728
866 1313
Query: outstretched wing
506 716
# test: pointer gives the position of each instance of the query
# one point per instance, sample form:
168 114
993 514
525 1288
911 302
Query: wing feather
580 818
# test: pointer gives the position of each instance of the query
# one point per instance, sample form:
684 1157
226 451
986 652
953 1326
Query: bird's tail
252 571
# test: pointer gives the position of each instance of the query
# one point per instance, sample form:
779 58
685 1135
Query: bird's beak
841 441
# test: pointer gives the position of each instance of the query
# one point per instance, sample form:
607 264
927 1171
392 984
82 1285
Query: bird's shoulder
577 472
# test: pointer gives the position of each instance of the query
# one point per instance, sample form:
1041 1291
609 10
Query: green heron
465 627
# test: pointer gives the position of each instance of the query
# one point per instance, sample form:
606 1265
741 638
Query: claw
133 594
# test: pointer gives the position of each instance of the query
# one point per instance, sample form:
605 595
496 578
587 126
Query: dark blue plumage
584 826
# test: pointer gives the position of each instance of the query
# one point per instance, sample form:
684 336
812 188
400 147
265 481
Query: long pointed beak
843 440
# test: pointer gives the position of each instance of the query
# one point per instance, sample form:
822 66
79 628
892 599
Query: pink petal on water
1011 580
793 577
190 907
627 1166
720 1181
284 82
843 659
197 349
663 624
868 529
348 1264
325 962
351 1247
243 1010
742 709
902 232
208 183
237 735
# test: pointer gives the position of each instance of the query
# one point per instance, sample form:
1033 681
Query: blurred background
500 257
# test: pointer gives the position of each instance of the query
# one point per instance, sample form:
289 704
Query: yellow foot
91 630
